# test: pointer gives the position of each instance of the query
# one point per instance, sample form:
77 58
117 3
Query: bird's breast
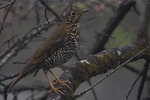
62 54
67 49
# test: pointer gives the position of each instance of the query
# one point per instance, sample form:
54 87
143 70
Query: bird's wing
47 48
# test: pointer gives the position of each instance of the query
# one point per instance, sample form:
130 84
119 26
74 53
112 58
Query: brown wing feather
48 47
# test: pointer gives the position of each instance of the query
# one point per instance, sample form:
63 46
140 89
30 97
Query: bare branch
5 16
24 14
146 67
98 33
9 77
7 41
5 5
51 10
134 84
97 44
143 30
22 42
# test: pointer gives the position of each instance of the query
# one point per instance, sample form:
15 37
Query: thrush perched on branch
57 49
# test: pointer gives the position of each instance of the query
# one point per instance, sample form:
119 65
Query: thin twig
134 70
146 67
37 13
97 32
51 10
23 41
7 41
5 5
69 6
16 62
24 14
5 16
9 77
93 91
2 75
134 85
46 16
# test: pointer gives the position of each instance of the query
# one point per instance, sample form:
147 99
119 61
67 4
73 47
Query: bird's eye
72 13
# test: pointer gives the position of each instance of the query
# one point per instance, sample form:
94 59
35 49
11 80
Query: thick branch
97 64
143 30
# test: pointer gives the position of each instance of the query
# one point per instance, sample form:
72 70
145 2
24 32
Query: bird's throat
73 29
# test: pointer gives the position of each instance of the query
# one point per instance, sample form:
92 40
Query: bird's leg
52 86
58 80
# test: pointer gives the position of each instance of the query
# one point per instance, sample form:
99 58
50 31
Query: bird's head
74 15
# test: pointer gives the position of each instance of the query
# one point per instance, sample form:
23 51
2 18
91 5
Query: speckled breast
62 54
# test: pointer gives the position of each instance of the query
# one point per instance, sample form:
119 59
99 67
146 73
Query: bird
57 49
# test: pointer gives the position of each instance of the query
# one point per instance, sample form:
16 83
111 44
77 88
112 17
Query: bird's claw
56 90
63 83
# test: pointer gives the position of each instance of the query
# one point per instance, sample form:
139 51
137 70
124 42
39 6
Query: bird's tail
15 81
28 69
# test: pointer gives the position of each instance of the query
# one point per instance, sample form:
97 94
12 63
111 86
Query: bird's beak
84 11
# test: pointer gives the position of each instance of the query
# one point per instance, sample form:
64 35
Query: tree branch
51 10
143 30
98 64
5 16
146 67
22 42
100 40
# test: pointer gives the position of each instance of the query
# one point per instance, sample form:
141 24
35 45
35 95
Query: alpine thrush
57 49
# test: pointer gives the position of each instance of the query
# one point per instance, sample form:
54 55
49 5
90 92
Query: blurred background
22 17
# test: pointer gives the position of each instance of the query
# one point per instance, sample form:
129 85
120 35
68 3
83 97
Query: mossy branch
100 63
